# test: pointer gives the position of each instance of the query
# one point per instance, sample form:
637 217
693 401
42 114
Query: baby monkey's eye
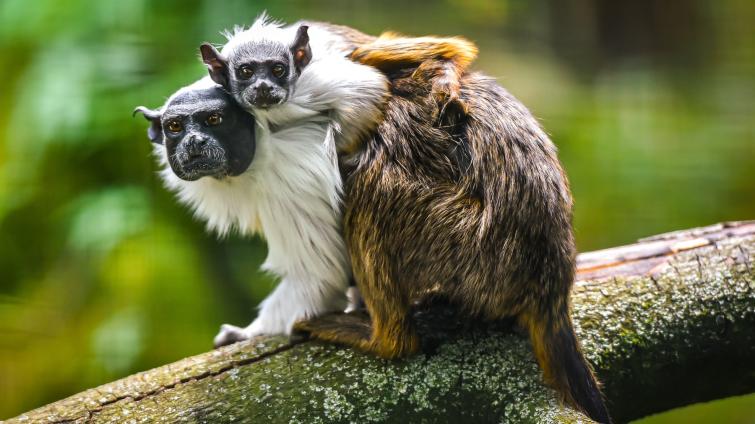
279 70
214 119
174 126
246 72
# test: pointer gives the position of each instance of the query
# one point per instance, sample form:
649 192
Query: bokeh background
102 274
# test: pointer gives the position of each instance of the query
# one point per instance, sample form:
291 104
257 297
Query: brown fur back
480 211
475 209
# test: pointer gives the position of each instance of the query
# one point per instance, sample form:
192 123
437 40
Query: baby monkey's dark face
261 73
205 133
263 79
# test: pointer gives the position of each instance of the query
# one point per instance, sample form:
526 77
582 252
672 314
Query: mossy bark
668 321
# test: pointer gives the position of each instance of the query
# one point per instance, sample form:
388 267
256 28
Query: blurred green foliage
651 104
739 409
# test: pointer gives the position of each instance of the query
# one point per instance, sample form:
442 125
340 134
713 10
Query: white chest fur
291 195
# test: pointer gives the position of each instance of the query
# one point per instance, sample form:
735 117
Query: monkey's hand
230 334
445 80
290 302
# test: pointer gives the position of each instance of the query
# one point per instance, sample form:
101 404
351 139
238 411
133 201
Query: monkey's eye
279 70
246 72
174 126
214 119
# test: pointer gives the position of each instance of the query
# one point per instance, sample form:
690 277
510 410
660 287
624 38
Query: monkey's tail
564 366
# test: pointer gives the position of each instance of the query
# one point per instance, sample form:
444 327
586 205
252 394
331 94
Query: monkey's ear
216 64
155 131
300 49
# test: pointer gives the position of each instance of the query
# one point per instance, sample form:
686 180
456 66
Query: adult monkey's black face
204 132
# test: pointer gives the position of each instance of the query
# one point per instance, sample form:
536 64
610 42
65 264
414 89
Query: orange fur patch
394 48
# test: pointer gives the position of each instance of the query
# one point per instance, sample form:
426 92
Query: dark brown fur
474 208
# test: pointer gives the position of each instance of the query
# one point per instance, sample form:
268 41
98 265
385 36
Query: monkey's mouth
260 100
265 102
194 167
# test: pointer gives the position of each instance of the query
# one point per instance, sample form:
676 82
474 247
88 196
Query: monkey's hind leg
355 330
388 333
349 328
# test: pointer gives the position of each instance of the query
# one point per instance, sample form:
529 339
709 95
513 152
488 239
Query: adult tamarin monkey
473 207
468 202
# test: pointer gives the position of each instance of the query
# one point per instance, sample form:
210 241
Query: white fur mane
291 192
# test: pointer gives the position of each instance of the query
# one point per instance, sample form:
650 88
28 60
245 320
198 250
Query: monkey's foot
229 334
355 330
351 329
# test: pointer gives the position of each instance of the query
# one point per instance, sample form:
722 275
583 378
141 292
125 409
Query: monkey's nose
194 145
263 89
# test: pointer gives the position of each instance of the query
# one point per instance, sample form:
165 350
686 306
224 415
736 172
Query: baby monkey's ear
300 49
155 131
216 64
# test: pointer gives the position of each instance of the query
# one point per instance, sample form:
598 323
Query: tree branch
667 321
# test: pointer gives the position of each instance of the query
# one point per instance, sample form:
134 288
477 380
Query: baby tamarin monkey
260 68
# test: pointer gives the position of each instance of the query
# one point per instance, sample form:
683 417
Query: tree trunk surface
667 321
